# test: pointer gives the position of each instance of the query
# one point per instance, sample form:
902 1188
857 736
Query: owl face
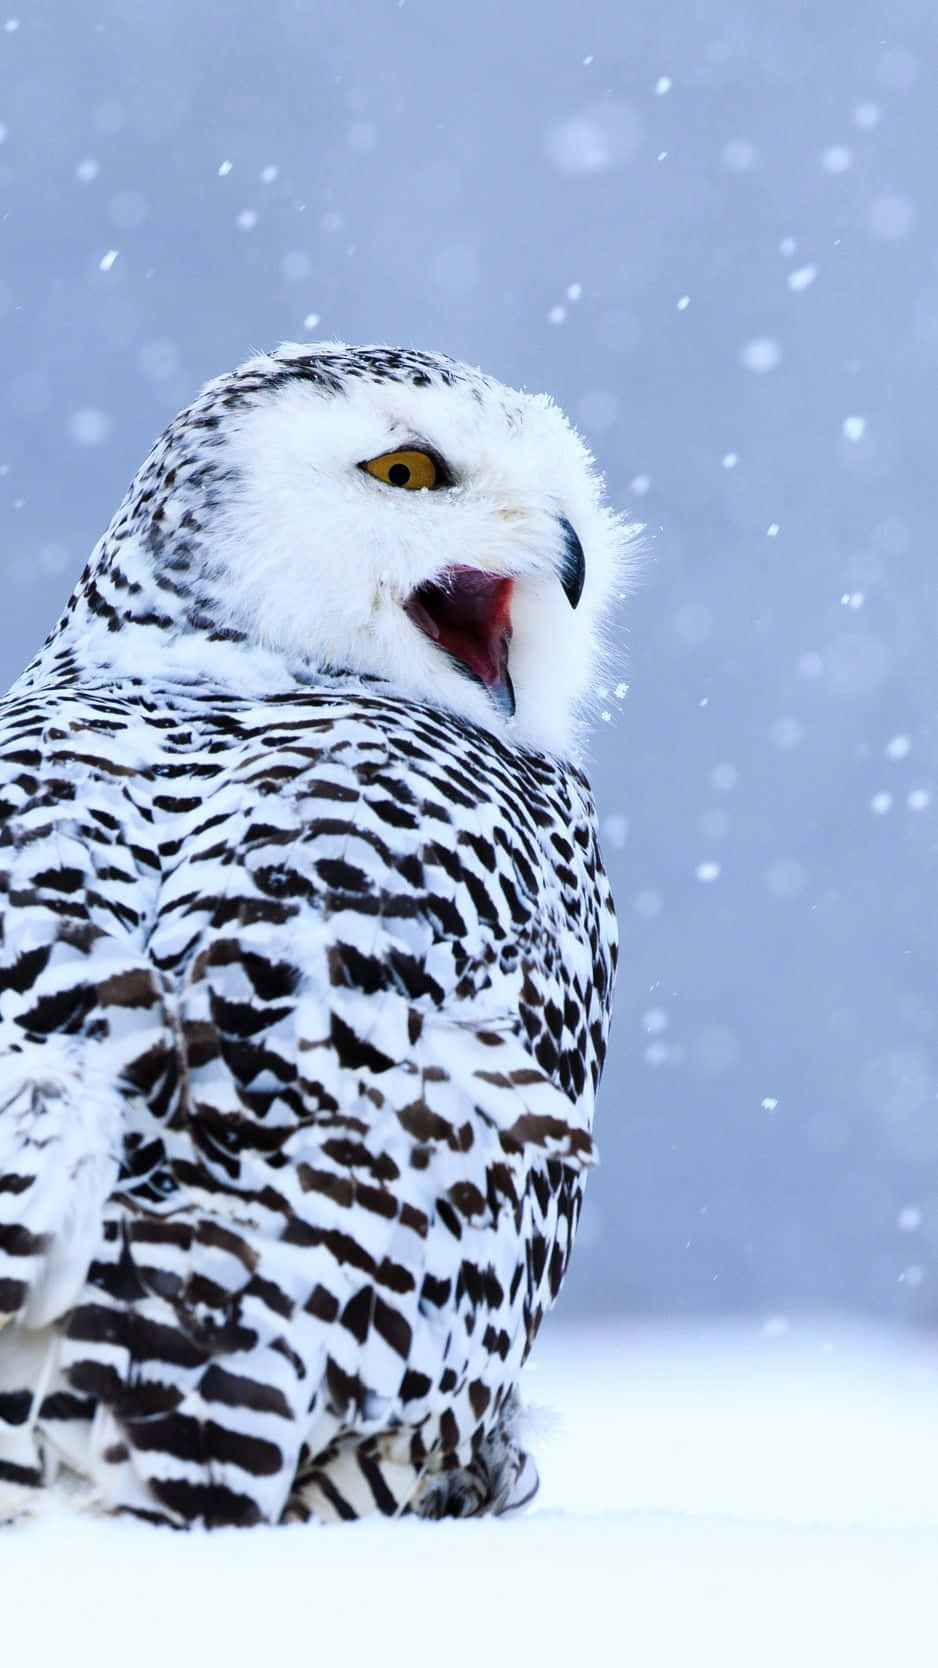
429 526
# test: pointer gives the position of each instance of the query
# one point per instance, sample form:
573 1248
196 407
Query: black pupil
399 474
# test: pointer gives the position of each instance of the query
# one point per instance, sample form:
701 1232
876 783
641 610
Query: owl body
304 988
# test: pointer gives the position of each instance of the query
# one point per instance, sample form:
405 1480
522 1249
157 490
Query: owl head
383 512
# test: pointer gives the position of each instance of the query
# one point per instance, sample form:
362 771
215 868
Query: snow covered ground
718 1496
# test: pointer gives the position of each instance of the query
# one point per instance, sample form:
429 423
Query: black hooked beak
573 564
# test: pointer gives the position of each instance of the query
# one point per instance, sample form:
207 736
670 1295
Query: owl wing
80 1004
391 980
313 1087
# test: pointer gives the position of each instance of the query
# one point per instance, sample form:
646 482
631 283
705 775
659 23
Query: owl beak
572 567
468 612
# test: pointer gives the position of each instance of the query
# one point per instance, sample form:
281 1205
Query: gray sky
711 231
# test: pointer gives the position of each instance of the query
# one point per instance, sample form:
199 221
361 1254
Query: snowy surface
748 1495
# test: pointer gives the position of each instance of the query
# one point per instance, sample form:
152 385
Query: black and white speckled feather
304 978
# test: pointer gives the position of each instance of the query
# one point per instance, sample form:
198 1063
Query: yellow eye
411 470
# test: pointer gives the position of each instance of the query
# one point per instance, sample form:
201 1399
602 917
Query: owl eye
412 470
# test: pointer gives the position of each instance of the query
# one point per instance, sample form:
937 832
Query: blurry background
712 231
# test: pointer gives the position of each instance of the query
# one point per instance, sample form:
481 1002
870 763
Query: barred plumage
304 985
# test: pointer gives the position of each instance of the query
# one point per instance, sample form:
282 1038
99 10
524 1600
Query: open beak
468 612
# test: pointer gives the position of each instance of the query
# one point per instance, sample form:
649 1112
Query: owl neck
153 601
153 610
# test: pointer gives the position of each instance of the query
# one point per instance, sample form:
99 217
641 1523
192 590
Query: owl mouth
469 614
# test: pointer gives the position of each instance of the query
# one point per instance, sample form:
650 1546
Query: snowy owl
306 954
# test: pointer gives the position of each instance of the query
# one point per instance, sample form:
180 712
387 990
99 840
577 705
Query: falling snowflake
761 354
802 277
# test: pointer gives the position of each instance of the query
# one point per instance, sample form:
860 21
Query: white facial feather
323 556
311 559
